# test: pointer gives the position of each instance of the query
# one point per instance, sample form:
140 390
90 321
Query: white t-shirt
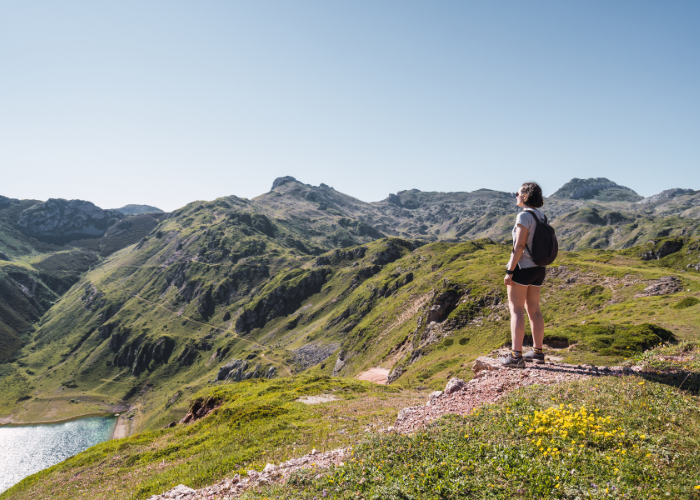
525 218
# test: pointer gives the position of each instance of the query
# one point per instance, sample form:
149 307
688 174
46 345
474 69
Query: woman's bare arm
518 248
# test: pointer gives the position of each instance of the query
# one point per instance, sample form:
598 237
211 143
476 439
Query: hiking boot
533 357
511 361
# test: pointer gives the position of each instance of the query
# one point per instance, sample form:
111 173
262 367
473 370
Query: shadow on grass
687 380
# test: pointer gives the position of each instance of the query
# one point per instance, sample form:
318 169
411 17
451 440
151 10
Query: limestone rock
434 395
454 385
483 363
179 492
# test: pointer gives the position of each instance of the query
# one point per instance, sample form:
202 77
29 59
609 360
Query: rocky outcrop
666 195
443 304
282 300
338 255
282 180
390 253
272 474
235 371
200 408
666 248
663 286
62 220
5 201
140 354
313 354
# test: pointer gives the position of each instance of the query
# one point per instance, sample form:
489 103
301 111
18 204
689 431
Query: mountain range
136 308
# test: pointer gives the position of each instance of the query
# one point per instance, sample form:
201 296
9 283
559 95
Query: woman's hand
508 280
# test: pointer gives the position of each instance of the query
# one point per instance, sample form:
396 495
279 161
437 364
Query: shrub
686 302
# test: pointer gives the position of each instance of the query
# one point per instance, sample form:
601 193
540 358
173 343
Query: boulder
179 492
454 385
483 363
434 395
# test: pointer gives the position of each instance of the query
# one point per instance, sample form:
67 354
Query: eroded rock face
313 354
65 219
668 247
443 304
139 353
283 300
200 408
235 371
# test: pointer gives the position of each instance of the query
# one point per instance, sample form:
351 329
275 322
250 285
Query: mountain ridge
298 278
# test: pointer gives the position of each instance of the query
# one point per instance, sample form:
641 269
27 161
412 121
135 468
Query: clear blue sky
165 102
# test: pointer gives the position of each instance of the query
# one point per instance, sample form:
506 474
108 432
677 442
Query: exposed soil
376 375
314 400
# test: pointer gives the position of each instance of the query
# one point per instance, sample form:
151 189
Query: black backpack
544 242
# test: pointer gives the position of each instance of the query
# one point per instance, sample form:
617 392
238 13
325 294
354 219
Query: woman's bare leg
532 304
517 295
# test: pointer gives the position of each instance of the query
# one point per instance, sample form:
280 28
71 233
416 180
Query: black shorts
529 276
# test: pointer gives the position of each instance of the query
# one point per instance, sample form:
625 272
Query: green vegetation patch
600 438
612 339
686 302
14 386
681 362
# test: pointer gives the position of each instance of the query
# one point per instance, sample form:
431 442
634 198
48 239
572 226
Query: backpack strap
537 219
537 223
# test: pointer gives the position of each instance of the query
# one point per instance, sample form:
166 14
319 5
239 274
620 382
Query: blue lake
25 450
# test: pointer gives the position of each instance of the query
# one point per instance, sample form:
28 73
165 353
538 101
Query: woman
524 280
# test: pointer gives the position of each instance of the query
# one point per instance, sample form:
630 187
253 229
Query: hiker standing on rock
534 247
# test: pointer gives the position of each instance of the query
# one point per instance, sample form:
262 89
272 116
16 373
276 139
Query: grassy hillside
147 325
35 273
630 437
301 278
602 438
308 220
297 288
258 422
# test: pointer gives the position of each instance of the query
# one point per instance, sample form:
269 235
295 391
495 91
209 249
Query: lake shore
8 422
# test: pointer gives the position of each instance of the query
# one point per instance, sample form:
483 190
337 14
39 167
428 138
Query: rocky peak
666 195
586 189
282 180
58 218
